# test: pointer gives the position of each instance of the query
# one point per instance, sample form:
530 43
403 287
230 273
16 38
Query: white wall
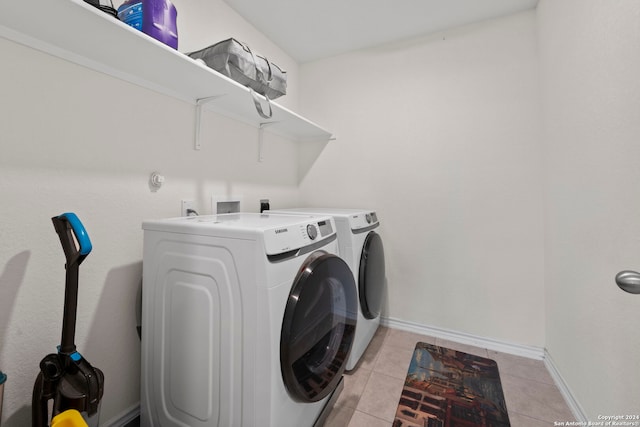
444 133
590 63
441 136
75 140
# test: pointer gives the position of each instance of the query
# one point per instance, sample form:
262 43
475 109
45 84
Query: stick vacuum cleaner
66 377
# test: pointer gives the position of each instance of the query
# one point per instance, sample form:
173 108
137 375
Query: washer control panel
296 236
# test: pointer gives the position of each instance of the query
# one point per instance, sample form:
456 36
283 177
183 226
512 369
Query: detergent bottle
156 18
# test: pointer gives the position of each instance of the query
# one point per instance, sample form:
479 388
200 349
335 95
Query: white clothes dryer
361 247
247 320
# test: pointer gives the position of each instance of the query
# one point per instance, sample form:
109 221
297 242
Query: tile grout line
369 379
373 416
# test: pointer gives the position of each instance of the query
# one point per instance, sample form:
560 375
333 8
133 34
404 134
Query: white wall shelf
76 31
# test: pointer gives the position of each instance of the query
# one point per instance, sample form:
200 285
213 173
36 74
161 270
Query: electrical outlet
188 208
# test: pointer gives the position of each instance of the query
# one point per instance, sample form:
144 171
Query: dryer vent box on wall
223 204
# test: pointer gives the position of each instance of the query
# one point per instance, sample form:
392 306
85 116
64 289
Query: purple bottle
156 18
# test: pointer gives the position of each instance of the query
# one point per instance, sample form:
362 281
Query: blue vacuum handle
79 231
70 230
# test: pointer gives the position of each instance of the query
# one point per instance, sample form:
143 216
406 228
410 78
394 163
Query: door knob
629 281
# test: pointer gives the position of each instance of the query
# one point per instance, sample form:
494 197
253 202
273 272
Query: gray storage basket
234 59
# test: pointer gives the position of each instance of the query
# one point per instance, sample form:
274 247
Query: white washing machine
361 247
247 320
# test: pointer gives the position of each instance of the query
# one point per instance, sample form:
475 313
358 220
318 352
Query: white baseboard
124 417
530 352
573 404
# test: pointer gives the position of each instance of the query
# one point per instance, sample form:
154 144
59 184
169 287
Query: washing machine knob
312 232
368 218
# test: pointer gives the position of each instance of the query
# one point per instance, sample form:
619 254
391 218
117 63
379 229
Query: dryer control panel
295 236
363 221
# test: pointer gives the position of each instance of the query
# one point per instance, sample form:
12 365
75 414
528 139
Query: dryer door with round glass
318 327
371 277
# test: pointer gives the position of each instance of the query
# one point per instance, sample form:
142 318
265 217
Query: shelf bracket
200 102
261 139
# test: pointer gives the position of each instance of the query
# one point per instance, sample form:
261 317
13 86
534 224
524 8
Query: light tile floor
372 390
